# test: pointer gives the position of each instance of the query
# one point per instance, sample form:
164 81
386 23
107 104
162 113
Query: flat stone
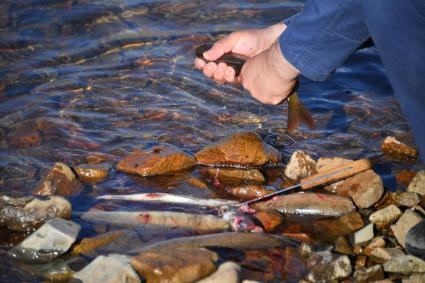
418 184
404 264
300 165
228 272
386 216
113 268
382 255
341 226
92 173
377 242
325 163
365 275
59 181
270 219
397 150
162 159
415 240
51 240
248 192
175 265
404 224
87 245
363 235
227 176
408 199
342 246
245 149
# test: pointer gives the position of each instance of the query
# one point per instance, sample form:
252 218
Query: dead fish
234 240
309 204
240 222
297 112
170 198
197 222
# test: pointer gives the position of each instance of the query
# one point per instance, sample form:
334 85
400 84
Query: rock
325 164
87 245
365 188
59 181
162 159
341 226
395 149
232 177
309 204
377 242
342 246
386 216
365 275
244 149
113 268
248 192
404 264
408 199
418 184
360 262
362 236
415 240
327 267
270 219
300 165
51 240
381 255
415 278
92 173
404 177
228 272
403 225
175 265
29 213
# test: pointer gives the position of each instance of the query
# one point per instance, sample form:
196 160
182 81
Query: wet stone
300 165
87 245
382 255
242 149
113 268
408 199
228 272
395 149
418 184
415 240
377 242
92 173
341 226
404 177
59 181
51 240
362 236
415 278
386 216
325 164
365 275
175 265
162 159
404 264
270 219
236 176
326 267
404 224
248 192
342 246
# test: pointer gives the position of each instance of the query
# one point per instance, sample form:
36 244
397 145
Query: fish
234 240
240 221
171 198
297 112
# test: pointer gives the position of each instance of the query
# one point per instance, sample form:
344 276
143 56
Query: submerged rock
248 192
418 184
242 149
113 268
300 165
28 213
51 240
403 225
228 176
309 204
175 265
415 240
228 272
395 149
162 159
59 181
92 173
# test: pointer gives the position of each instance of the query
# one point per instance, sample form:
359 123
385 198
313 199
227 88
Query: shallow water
80 78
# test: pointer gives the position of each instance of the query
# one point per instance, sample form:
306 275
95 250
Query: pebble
233 177
377 242
51 240
408 199
381 255
415 240
397 150
270 219
113 268
325 164
403 225
362 236
228 272
418 184
300 165
365 275
342 246
92 173
386 216
327 267
404 264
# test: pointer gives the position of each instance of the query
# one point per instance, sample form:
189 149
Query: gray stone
52 239
415 240
404 224
404 264
329 268
373 273
408 199
228 272
418 183
362 236
300 165
385 216
113 268
415 278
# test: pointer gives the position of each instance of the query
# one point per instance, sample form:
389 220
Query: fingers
224 45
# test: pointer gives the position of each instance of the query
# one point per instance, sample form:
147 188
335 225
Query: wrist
280 65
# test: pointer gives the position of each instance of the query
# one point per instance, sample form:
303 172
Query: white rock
362 236
329 269
403 225
385 216
418 183
324 164
113 268
228 272
300 165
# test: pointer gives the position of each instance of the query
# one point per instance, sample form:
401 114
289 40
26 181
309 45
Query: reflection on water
84 78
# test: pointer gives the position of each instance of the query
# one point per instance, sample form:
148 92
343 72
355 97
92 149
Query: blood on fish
152 195
321 196
145 218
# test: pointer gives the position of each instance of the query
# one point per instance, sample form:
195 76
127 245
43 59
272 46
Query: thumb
224 45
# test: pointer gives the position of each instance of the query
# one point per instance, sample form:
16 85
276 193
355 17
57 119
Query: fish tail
298 113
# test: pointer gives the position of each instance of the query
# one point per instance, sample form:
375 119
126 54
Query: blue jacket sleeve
321 37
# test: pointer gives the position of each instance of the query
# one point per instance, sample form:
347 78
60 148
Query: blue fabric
326 32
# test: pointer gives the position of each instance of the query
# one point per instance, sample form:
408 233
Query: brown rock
377 242
360 262
197 183
244 149
404 177
59 181
89 244
248 192
300 165
342 246
92 173
342 226
365 188
395 149
155 161
236 176
175 266
269 219
324 164
24 137
371 274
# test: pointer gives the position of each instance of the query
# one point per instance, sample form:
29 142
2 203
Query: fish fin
305 116
294 118
298 113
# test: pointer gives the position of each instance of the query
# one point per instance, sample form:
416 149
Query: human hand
245 42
